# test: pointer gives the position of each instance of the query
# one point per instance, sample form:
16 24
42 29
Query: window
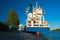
36 25
29 24
29 21
34 21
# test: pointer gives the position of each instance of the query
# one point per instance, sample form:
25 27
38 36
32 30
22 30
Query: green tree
12 19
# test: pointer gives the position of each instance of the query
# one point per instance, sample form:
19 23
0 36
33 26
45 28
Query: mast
36 4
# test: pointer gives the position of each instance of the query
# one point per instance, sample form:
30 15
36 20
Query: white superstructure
36 17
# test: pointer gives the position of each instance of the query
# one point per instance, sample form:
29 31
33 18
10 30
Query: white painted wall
21 27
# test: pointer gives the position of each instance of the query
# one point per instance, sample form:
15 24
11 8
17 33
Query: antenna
36 4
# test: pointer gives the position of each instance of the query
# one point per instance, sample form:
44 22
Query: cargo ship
35 20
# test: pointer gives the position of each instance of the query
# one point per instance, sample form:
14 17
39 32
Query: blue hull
43 30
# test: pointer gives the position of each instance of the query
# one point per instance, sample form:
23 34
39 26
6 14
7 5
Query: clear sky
51 7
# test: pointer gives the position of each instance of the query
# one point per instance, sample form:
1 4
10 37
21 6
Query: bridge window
29 21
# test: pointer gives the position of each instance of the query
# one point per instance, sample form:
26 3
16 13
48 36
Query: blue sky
51 7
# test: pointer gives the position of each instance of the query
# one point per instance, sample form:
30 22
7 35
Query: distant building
21 27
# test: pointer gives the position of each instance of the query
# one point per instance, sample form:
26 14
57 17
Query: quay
20 36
